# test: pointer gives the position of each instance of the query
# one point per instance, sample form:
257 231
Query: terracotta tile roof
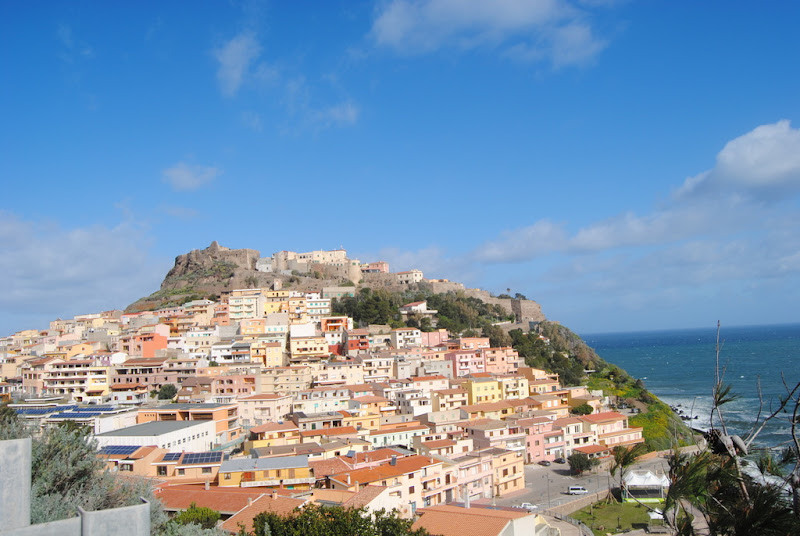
225 502
376 455
335 431
366 399
266 503
333 466
566 421
605 416
263 397
274 427
386 471
142 452
127 386
337 496
427 378
454 521
439 443
364 496
592 449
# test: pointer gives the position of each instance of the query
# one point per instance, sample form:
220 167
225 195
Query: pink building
434 338
504 360
535 429
466 362
612 429
497 434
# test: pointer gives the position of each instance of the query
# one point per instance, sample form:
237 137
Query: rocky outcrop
205 273
215 266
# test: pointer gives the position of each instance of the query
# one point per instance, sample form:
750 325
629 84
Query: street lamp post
548 490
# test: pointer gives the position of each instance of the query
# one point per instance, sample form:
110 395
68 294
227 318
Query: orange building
226 417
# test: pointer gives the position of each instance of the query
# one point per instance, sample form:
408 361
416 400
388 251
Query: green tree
624 457
198 515
583 409
316 520
167 392
497 336
580 462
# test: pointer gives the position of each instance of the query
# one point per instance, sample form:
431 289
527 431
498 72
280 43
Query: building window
161 470
181 472
206 470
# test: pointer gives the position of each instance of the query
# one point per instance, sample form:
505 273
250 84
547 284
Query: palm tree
623 457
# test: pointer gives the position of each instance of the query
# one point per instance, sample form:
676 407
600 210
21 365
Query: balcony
277 482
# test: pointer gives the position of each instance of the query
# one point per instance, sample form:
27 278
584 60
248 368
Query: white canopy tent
644 486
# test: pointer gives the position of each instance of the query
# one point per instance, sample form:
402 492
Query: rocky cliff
205 273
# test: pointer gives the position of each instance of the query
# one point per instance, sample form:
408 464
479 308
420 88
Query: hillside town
265 400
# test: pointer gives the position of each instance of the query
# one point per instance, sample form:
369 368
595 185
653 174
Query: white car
577 490
527 506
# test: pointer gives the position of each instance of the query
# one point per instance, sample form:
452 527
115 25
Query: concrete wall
15 496
15 484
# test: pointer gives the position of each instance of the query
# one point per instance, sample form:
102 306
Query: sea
678 366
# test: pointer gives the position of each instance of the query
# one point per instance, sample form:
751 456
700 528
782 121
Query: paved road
547 486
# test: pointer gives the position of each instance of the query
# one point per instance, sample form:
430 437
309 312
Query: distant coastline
679 367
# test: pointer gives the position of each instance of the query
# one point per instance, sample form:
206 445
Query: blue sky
630 165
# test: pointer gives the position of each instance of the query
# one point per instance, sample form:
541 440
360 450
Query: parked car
577 490
560 460
530 507
544 462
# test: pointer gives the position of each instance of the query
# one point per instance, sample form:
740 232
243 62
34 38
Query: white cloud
49 271
179 212
764 163
253 120
526 30
342 114
541 238
310 115
183 177
235 58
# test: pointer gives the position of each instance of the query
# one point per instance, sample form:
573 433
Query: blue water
678 367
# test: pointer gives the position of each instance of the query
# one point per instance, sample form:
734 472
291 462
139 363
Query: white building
177 436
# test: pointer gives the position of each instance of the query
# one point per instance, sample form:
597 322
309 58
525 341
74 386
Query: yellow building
509 471
289 472
513 386
302 348
269 354
280 306
272 434
82 380
482 390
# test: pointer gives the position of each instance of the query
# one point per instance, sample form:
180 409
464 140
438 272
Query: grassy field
603 518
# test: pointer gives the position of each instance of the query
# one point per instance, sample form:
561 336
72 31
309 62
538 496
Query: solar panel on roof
122 450
73 415
172 456
201 457
94 409
35 411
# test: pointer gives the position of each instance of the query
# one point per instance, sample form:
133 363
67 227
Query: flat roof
154 428
261 464
188 406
